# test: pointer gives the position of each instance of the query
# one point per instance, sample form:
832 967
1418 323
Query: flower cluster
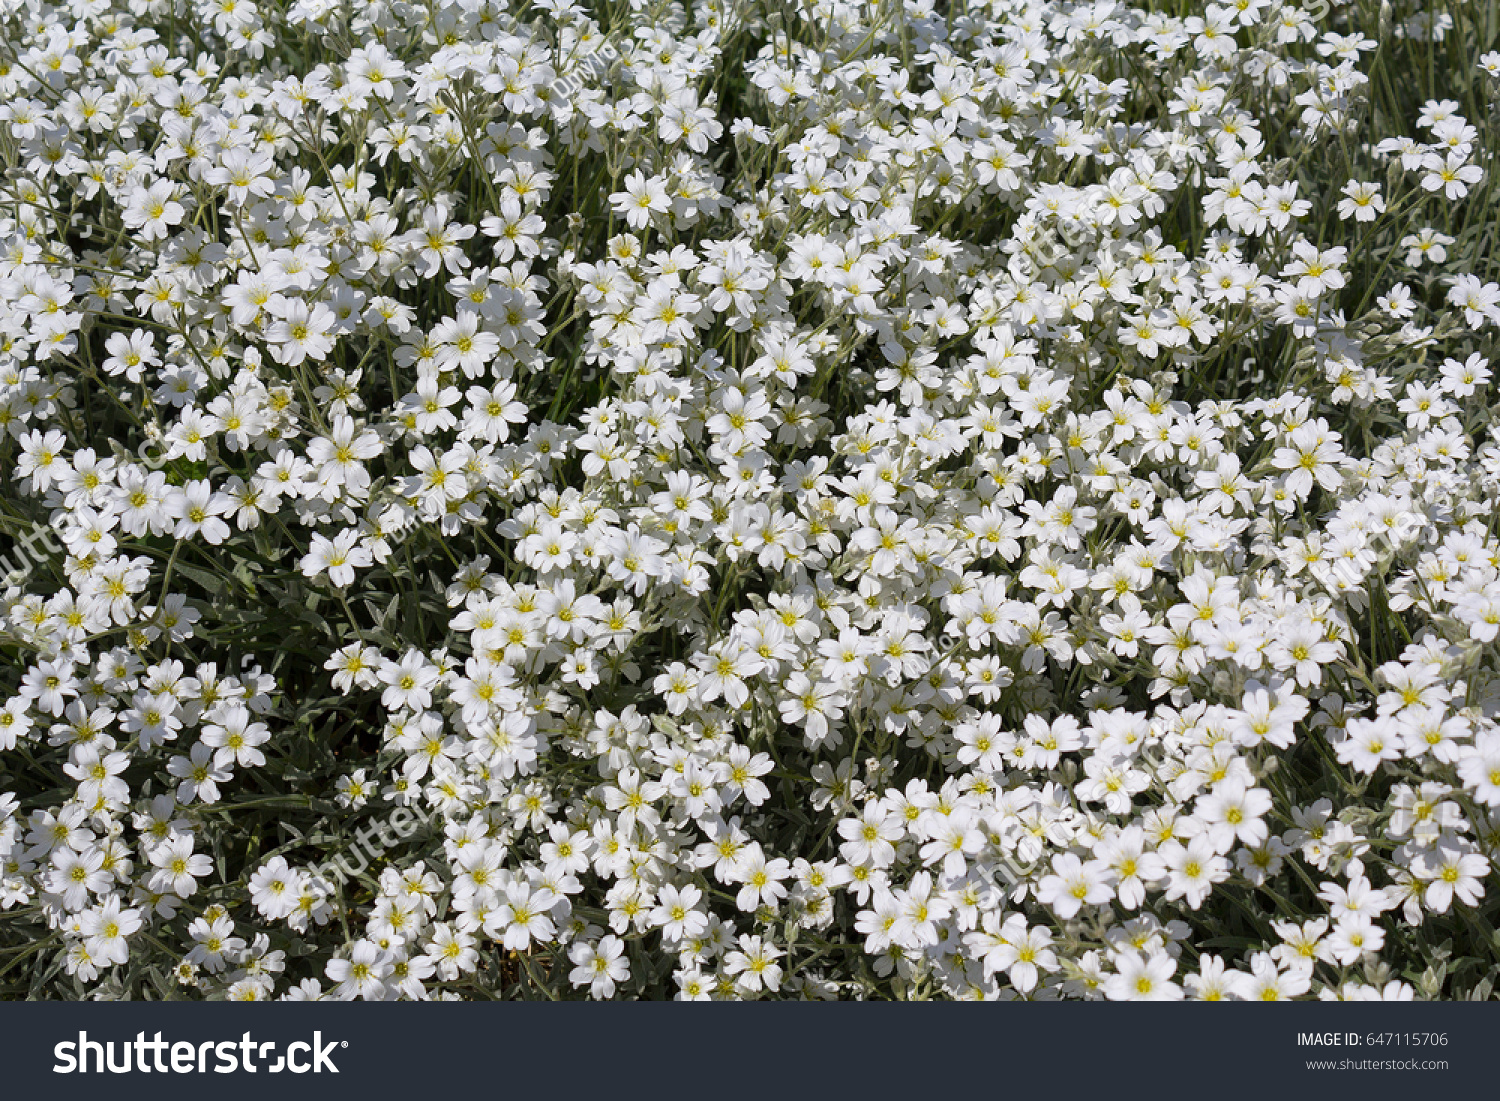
857 500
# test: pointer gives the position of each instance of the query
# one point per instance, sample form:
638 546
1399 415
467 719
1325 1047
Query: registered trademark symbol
343 1043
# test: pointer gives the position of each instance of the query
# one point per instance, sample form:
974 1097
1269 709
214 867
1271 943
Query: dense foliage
742 498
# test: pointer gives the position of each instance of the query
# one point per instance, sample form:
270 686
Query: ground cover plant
749 498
